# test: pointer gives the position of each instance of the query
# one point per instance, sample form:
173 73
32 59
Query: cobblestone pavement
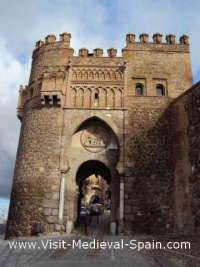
72 257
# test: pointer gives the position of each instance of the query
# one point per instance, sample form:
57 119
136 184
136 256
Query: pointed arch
78 74
88 96
118 99
73 97
114 76
80 98
96 97
100 117
101 75
83 74
112 73
108 76
74 74
111 98
96 75
103 98
118 75
90 167
90 75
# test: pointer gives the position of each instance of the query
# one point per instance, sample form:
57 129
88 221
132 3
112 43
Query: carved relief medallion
95 138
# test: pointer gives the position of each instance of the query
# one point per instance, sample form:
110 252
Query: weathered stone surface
47 211
54 212
48 203
153 140
127 209
55 195
51 219
57 227
186 150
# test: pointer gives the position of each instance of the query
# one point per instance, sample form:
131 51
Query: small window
47 101
96 95
139 89
160 90
55 101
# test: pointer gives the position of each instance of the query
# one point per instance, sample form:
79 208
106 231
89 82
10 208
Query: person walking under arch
87 221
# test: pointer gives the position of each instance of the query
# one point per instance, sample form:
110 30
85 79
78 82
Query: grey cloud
6 170
9 134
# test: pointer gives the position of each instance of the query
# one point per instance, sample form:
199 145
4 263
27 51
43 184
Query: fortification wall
149 175
158 63
45 148
149 64
65 90
36 183
186 125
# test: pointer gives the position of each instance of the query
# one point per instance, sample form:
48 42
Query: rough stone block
60 221
54 212
132 218
51 219
134 209
47 203
127 209
55 195
47 211
57 227
55 188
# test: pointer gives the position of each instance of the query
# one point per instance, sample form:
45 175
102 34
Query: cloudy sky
92 23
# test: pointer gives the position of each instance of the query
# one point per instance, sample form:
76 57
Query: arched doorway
98 171
94 153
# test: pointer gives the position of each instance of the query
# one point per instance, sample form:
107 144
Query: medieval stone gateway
131 122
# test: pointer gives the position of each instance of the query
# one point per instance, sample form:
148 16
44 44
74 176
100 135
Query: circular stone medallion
95 138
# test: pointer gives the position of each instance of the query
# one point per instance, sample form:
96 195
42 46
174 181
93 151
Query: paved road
72 257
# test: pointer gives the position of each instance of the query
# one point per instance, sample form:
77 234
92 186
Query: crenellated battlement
112 115
51 38
148 60
157 43
21 100
157 38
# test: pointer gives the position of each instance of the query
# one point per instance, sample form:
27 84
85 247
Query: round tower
66 136
36 183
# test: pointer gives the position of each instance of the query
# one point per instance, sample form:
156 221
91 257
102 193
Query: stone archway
98 168
94 150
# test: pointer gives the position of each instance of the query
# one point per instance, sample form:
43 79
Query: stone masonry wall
36 183
149 186
186 150
152 64
160 153
52 57
149 177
